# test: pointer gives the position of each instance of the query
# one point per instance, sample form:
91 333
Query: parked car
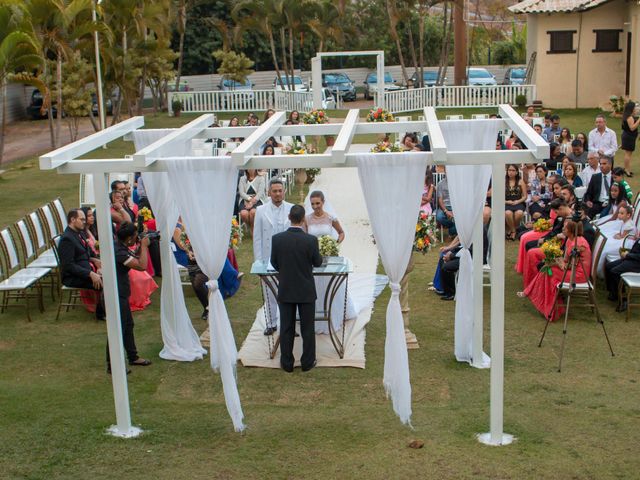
298 84
480 76
183 87
228 85
94 105
515 76
34 109
328 100
430 78
370 84
340 85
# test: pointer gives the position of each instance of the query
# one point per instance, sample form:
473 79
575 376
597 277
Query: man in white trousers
271 218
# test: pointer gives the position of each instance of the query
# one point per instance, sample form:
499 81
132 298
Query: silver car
479 77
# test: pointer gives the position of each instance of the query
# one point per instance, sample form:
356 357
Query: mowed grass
56 399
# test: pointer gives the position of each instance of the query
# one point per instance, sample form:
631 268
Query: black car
340 85
34 108
94 105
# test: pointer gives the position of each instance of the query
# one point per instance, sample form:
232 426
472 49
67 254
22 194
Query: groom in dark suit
294 253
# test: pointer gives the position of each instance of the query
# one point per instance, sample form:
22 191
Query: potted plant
176 105
617 105
521 100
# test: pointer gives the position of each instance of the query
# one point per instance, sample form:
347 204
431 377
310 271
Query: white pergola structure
154 159
316 72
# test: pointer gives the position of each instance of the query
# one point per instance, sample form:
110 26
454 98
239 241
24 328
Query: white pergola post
496 435
123 427
380 84
478 359
316 81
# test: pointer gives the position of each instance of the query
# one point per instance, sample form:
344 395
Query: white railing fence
242 101
456 97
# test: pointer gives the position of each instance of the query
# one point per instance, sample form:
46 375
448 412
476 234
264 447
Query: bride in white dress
320 223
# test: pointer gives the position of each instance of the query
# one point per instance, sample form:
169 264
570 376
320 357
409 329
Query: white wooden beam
345 137
534 142
149 154
268 129
436 139
85 145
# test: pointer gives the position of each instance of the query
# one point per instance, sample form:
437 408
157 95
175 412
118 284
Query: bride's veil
327 208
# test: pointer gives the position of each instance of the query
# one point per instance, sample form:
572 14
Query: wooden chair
23 237
16 282
59 214
629 282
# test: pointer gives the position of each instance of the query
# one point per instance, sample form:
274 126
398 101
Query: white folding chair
48 221
34 222
454 117
30 254
481 116
59 214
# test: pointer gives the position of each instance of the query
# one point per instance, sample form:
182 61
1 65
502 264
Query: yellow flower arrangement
146 214
552 250
542 225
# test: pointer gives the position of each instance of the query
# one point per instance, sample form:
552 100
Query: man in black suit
78 265
596 197
294 253
613 270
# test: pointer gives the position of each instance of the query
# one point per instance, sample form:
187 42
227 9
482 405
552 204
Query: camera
151 235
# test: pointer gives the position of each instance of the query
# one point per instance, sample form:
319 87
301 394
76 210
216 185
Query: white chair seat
486 268
43 262
612 257
36 273
17 283
579 286
631 279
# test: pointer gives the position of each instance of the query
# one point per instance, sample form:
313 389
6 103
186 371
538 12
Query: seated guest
546 121
542 290
410 142
427 193
556 156
530 114
515 198
539 193
528 173
444 213
578 154
119 213
90 230
565 140
550 132
235 122
615 241
253 193
608 222
602 139
593 166
451 265
570 173
596 197
583 138
629 262
538 129
79 265
178 245
568 194
438 286
618 176
228 283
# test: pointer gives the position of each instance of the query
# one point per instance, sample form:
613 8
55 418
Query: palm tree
326 23
296 14
18 52
394 20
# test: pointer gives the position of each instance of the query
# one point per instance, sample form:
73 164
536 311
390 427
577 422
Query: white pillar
479 358
316 81
496 436
380 84
123 428
101 104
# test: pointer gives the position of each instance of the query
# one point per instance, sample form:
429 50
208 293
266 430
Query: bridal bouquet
315 117
328 246
379 115
425 236
542 225
236 233
552 250
385 147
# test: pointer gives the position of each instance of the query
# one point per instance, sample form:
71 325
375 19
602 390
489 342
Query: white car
298 84
328 100
371 84
480 76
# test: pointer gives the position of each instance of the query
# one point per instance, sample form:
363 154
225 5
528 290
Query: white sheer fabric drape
180 339
205 199
392 186
468 186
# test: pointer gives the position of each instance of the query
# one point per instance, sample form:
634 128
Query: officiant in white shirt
271 218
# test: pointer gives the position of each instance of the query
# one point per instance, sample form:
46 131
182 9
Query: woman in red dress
542 291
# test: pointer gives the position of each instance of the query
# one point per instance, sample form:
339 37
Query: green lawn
56 400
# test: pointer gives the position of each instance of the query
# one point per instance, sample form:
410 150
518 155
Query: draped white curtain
468 186
205 199
392 186
180 339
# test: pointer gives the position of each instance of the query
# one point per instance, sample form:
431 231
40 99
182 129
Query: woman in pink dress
542 290
427 193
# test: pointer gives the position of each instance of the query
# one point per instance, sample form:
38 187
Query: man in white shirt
602 139
271 218
592 167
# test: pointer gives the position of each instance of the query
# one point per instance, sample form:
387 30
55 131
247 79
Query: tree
76 94
234 66
394 19
326 24
18 52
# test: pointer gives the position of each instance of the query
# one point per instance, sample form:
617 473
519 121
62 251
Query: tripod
575 260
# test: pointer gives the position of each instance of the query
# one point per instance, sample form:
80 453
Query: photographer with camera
127 237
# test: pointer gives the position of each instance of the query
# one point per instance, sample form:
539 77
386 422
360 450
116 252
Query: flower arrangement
425 236
146 214
385 147
315 117
296 147
552 250
185 242
328 246
236 233
379 115
617 104
542 225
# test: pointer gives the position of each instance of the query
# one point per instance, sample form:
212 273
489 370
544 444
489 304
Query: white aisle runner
341 188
